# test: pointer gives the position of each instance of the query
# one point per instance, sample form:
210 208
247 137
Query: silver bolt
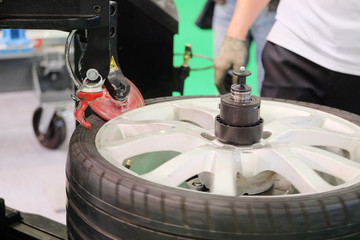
92 74
198 186
242 69
97 8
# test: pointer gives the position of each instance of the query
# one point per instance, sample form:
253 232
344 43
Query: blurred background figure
312 53
257 33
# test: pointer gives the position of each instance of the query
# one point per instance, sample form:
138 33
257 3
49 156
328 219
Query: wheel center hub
239 121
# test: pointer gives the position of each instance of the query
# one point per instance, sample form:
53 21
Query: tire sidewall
190 214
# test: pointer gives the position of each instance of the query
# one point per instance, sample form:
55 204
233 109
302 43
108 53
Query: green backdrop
201 82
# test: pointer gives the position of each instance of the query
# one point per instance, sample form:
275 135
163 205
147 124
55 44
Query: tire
105 202
55 134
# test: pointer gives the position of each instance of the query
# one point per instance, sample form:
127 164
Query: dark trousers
290 76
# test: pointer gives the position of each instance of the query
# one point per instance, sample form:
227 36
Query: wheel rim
169 143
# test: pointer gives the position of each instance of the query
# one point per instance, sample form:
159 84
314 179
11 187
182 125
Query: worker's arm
245 13
233 51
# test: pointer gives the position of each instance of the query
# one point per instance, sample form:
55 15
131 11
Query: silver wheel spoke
152 136
174 141
312 132
284 162
184 166
224 174
205 117
126 129
328 162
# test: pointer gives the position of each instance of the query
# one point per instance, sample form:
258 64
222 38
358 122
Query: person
312 53
223 12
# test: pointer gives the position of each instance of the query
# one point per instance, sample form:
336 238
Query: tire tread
159 212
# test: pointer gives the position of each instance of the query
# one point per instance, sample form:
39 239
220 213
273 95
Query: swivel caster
54 135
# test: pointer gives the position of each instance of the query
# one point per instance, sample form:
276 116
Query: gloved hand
231 55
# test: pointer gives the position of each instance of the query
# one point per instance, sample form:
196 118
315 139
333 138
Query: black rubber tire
107 203
55 134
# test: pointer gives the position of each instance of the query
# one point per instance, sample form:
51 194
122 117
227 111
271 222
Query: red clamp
86 99
98 98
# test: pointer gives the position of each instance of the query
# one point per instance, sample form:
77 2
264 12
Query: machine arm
54 14
66 15
98 20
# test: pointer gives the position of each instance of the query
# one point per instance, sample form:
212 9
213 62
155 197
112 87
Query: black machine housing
144 32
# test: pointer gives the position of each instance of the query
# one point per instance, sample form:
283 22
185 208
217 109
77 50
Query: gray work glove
231 55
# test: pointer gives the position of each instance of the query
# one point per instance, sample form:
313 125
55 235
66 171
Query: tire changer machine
134 34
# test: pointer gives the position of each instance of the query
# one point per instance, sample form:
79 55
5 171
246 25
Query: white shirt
326 32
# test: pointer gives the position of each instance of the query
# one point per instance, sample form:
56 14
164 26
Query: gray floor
32 178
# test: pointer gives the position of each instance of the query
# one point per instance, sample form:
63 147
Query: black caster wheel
55 134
